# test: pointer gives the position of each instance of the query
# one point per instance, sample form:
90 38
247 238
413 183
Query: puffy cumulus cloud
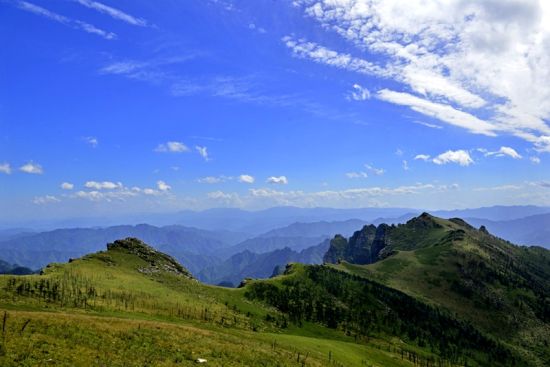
246 179
5 168
172 147
105 185
203 151
43 200
460 157
163 186
32 168
277 180
478 65
67 186
359 93
505 151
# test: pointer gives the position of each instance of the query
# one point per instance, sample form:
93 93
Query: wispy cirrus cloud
203 152
359 174
113 12
355 197
359 93
46 199
73 23
440 111
91 140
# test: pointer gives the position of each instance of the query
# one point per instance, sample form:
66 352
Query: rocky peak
157 261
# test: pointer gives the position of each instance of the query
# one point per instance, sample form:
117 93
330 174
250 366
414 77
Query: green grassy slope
502 288
131 305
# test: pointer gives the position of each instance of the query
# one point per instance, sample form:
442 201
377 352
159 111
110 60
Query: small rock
201 360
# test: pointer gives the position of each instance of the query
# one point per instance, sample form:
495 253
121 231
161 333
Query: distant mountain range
191 246
531 230
196 249
248 264
7 268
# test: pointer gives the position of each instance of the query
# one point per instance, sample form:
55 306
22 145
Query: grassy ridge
501 288
116 308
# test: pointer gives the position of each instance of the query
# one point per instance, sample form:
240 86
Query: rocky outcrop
156 261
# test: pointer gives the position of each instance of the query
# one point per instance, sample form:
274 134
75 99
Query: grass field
111 309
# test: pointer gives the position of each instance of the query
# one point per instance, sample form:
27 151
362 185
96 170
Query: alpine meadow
275 183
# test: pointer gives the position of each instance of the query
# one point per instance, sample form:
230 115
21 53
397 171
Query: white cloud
163 186
487 62
504 151
443 112
535 160
149 191
211 179
105 185
357 175
432 126
43 200
246 179
376 171
67 186
422 157
172 147
310 50
203 151
108 191
73 23
32 168
359 93
278 180
115 13
460 157
92 141
405 165
5 168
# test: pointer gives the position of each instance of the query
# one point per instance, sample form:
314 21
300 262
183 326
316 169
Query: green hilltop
501 288
430 293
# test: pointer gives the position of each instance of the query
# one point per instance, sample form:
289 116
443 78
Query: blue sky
115 107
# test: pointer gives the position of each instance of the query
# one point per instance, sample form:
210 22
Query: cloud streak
73 23
113 12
